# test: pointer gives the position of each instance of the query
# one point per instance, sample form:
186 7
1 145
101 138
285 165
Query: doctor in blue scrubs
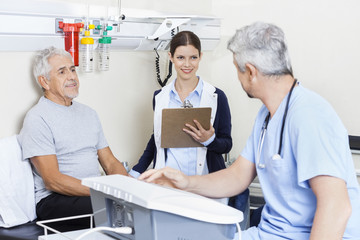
298 148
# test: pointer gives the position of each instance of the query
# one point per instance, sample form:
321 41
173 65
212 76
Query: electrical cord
157 65
121 230
239 230
128 230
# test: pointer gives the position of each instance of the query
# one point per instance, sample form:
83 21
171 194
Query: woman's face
186 61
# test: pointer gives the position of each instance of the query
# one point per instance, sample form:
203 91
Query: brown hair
185 38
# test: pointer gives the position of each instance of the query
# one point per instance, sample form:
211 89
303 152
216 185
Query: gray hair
263 46
41 66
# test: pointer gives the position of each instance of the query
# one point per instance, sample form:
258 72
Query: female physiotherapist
185 54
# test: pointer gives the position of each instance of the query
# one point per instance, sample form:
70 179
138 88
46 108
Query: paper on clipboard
173 122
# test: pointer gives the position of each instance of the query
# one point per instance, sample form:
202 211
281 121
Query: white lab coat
208 99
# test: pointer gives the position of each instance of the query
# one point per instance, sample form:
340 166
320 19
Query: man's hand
166 177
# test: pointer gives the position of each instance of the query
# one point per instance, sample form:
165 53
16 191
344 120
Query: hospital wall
324 44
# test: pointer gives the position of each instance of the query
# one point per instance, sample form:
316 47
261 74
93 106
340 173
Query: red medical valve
71 31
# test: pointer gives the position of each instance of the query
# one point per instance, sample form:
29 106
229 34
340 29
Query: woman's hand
166 177
198 133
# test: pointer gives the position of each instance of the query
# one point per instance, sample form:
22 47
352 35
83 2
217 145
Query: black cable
285 113
157 66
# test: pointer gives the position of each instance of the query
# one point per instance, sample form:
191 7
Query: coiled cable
157 65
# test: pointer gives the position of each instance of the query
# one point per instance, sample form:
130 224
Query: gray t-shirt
73 133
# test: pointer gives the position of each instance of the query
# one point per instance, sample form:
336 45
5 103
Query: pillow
17 196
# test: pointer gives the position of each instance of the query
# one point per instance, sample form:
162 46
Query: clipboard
173 122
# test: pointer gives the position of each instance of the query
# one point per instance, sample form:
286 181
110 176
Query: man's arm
224 183
109 163
333 208
48 168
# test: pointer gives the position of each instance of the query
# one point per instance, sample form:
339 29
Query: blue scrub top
315 142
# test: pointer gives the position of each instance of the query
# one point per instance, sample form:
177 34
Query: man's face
243 78
63 84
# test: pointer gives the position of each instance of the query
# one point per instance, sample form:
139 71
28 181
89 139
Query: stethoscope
264 129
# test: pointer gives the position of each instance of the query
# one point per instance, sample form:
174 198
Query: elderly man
298 148
64 141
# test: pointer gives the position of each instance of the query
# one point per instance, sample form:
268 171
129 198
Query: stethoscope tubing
264 129
284 117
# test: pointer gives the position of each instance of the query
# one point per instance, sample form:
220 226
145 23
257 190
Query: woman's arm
222 124
147 157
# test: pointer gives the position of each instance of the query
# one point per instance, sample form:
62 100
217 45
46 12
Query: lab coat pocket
281 176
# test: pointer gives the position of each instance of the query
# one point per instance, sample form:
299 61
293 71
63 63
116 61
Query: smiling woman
185 54
186 61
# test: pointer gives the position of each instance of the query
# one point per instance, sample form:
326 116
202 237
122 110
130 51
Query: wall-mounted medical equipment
37 23
155 212
66 25
87 50
104 48
71 32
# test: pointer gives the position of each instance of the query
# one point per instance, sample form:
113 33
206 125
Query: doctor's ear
253 72
43 81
